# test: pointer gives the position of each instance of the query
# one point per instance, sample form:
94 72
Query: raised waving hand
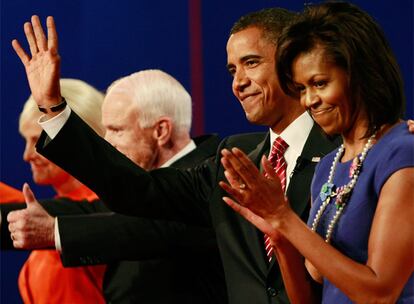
43 64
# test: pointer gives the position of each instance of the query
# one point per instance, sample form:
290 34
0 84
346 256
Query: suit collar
261 149
206 147
318 144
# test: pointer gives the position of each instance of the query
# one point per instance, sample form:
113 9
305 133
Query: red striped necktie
278 162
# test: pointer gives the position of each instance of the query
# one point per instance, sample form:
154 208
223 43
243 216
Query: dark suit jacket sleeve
167 193
88 237
55 207
102 238
5 240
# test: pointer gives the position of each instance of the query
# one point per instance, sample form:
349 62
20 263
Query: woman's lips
320 111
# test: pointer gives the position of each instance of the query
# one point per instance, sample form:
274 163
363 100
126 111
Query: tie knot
278 149
279 146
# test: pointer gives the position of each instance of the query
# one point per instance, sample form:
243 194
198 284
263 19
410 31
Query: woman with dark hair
359 242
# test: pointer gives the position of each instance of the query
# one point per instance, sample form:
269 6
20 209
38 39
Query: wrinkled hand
33 227
257 197
43 67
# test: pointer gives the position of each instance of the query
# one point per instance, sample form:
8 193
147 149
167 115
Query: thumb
28 195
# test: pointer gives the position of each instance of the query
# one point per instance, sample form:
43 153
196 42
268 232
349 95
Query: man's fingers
31 40
52 39
17 219
18 241
11 227
20 52
28 194
39 33
13 216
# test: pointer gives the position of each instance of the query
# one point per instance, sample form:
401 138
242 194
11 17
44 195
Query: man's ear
163 131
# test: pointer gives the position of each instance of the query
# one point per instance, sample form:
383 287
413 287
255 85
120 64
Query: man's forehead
117 98
248 43
247 34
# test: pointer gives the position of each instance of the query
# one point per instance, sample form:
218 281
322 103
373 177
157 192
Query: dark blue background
100 41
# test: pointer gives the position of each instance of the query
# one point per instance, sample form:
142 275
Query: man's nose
240 81
29 152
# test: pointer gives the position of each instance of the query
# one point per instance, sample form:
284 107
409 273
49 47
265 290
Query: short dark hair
352 40
271 20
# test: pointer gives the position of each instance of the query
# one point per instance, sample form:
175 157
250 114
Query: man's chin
254 120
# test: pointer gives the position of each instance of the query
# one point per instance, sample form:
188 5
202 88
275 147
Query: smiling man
146 116
251 62
252 274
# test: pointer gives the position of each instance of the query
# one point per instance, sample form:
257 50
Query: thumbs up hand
33 227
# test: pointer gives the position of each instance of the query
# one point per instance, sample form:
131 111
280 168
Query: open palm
43 66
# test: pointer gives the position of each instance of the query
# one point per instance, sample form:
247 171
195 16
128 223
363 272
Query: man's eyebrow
229 66
244 59
251 56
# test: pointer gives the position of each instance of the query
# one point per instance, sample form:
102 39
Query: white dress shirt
295 136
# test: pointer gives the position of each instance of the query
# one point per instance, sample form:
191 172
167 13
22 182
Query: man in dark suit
147 116
193 195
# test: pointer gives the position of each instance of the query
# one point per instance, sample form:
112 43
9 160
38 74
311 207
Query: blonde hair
82 98
156 94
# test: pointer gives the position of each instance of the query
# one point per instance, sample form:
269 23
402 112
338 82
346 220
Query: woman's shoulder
393 152
397 140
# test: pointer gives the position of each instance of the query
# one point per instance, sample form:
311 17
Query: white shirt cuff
58 245
55 124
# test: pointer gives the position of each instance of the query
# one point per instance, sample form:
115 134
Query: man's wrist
53 124
53 109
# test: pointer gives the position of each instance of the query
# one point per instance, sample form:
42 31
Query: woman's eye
300 89
320 84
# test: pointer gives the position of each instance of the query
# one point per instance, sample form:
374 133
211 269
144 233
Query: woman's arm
298 283
391 241
390 247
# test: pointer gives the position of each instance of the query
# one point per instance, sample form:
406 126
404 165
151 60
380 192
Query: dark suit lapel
256 154
253 236
317 146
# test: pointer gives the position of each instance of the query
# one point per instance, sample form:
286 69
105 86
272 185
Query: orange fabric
43 279
9 194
